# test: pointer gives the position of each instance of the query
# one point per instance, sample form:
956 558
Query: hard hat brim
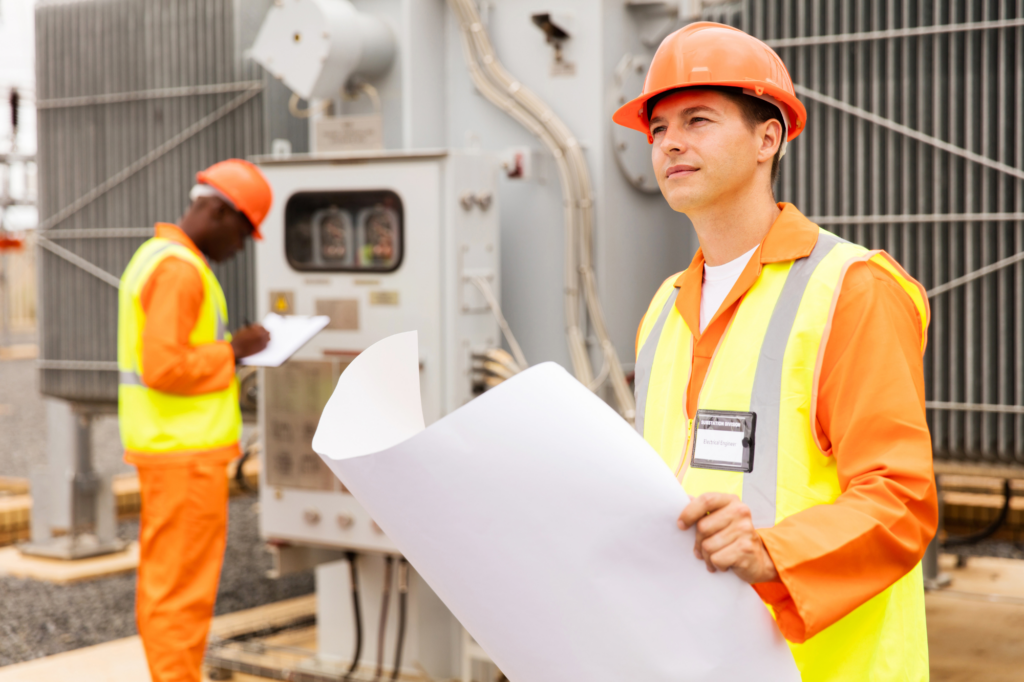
633 114
203 178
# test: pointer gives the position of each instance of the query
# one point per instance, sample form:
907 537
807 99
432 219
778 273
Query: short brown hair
755 111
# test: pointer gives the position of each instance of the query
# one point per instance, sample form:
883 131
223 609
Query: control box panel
381 243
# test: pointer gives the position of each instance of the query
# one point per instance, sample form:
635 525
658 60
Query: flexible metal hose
403 599
509 95
357 612
382 629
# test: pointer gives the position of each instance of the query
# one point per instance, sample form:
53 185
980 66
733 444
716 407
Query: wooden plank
123 660
263 617
10 485
973 469
14 563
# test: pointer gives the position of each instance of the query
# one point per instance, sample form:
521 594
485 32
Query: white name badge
724 440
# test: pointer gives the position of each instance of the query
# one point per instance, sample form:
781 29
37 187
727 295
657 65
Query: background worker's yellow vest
766 363
152 421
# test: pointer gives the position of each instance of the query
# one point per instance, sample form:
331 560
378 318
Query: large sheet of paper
287 335
547 525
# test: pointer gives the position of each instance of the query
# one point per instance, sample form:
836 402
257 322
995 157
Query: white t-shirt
718 282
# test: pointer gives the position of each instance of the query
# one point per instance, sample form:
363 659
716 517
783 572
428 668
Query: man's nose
672 142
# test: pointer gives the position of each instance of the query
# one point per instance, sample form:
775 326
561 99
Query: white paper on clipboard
547 525
288 333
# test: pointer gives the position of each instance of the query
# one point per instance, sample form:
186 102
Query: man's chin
685 202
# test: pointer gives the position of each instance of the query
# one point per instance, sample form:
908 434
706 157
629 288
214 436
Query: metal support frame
79 262
105 233
909 218
909 132
894 33
120 177
83 365
74 513
251 89
163 93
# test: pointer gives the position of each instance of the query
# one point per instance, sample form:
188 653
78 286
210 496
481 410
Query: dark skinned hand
726 538
249 341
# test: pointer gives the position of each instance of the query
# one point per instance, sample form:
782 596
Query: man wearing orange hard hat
178 408
780 375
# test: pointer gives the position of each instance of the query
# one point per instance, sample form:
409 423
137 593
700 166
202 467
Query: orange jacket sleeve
172 298
871 418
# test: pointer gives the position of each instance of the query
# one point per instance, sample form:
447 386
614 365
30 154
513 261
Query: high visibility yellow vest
153 421
766 363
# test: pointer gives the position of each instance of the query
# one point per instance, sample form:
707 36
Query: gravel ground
39 619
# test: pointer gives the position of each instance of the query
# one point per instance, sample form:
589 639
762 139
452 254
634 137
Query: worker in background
178 407
780 375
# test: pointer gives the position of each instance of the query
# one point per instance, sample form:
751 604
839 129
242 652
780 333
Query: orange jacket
171 298
871 418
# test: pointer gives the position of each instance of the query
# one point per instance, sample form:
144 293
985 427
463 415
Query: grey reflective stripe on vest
759 486
221 325
645 361
130 379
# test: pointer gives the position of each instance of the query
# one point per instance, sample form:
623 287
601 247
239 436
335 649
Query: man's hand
726 539
249 341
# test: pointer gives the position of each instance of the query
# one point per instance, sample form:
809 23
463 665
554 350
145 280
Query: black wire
243 484
403 598
992 527
382 629
354 573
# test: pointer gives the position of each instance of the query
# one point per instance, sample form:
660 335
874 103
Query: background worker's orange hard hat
706 53
245 185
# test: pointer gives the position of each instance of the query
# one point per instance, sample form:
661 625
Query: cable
383 627
251 444
403 599
509 95
354 574
488 294
991 528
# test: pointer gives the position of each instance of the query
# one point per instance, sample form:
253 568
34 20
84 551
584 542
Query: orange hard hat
244 185
705 53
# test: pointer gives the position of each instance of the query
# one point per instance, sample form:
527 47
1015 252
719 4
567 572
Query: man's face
226 231
703 151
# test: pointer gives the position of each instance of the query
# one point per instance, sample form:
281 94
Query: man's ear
771 139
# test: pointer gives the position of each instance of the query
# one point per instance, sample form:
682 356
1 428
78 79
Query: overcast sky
17 69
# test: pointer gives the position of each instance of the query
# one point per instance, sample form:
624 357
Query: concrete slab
14 563
124 660
973 633
974 627
118 661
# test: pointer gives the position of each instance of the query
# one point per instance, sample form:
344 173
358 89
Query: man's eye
658 129
695 119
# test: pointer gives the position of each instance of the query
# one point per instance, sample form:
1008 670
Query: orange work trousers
182 534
